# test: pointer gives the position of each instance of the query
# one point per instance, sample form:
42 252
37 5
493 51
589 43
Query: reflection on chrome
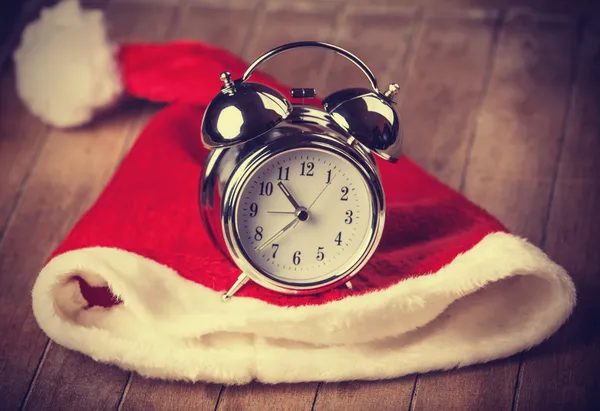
230 121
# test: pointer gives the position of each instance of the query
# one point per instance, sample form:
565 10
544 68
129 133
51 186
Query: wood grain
21 138
259 397
564 373
214 23
217 24
284 22
71 170
400 27
441 100
92 155
146 394
511 167
366 395
381 37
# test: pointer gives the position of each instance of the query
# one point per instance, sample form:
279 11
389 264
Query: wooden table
499 105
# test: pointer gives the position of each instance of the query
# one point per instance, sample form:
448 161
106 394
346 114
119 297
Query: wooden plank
276 397
381 37
298 68
71 170
366 395
142 21
310 21
83 161
21 138
563 374
218 24
512 162
210 23
147 394
444 89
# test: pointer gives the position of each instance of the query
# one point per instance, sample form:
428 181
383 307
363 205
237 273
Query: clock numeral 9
258 233
320 254
284 173
344 194
338 238
296 260
253 209
266 188
348 219
307 168
276 247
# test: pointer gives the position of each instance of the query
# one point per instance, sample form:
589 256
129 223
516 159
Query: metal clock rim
230 203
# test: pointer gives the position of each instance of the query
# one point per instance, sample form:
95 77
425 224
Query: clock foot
242 279
349 285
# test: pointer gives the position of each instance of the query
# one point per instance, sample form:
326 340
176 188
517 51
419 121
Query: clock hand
321 193
281 212
288 195
278 234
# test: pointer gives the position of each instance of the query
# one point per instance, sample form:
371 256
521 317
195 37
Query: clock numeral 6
344 194
348 219
338 238
258 233
253 209
320 254
296 260
266 188
276 247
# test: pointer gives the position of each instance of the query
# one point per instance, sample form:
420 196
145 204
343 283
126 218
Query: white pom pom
65 66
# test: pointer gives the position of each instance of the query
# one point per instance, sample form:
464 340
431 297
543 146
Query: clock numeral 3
307 168
320 254
258 233
276 247
266 188
348 219
338 238
253 209
344 194
296 260
284 174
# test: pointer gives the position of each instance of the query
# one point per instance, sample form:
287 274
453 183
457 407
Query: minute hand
321 193
278 234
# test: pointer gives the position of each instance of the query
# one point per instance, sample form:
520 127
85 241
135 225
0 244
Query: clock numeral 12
284 174
307 168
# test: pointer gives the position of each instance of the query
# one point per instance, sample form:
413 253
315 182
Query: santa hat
138 282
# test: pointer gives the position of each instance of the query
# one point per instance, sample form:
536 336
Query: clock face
305 216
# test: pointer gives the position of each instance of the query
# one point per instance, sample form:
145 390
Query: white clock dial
305 216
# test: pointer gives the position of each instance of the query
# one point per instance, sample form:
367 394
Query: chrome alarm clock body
291 193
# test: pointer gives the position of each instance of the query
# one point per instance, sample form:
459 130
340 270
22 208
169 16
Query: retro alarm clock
291 193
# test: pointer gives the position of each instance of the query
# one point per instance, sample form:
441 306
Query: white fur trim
65 65
501 297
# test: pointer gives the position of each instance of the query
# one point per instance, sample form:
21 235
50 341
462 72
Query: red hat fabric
138 283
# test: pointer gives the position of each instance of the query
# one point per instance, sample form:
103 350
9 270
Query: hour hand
288 195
